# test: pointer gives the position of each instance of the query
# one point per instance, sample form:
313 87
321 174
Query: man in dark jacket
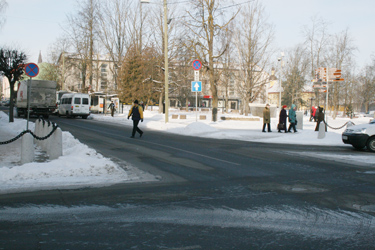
320 119
136 112
112 108
282 120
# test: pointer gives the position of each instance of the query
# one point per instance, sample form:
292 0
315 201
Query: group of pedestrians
292 118
282 119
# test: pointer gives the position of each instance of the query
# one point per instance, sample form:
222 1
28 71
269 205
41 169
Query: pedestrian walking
320 118
112 108
267 118
142 105
312 113
292 118
136 112
282 120
315 113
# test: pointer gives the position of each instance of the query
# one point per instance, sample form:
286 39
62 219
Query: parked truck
42 101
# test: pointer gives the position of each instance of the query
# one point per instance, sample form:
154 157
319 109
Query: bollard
322 131
55 148
299 117
27 148
37 131
46 130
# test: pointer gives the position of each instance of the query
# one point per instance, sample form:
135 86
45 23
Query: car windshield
372 122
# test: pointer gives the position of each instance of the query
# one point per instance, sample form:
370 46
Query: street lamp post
280 59
166 72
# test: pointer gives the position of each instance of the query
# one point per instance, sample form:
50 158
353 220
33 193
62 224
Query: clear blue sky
33 25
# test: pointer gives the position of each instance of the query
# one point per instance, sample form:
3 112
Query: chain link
54 125
339 127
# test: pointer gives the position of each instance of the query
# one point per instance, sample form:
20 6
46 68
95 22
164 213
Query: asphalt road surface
210 194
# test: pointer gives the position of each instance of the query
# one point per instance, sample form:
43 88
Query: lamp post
280 59
166 72
166 64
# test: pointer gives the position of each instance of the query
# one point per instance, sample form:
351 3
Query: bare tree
155 39
12 66
82 34
253 39
206 24
114 31
295 71
316 41
367 85
341 52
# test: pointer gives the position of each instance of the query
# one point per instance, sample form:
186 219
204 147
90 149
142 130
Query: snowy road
212 194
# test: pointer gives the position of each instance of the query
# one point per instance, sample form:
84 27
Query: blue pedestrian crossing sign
196 86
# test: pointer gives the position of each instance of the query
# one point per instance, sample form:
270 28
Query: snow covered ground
81 166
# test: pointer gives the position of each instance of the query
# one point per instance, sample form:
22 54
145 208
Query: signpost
326 75
196 85
31 70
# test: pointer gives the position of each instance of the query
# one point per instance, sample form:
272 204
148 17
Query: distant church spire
40 57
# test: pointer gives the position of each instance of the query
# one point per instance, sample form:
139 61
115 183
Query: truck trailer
42 101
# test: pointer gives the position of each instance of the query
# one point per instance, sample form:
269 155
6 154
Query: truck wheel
371 144
84 117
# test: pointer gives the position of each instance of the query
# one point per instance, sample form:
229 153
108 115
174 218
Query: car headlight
359 131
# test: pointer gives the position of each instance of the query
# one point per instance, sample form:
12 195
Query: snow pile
80 166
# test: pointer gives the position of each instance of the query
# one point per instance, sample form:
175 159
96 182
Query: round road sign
31 69
197 65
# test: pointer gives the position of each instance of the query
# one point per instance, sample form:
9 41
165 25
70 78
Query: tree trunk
161 103
11 102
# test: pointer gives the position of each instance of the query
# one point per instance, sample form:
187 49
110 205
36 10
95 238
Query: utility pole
166 60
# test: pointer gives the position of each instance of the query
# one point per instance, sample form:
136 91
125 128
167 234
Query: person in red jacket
136 112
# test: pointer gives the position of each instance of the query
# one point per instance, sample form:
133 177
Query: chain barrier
339 127
54 127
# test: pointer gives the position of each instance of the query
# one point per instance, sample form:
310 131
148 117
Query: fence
46 135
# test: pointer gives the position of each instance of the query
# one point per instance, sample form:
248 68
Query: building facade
77 77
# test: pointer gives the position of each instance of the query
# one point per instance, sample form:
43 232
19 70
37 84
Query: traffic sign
31 69
196 86
197 65
196 75
319 86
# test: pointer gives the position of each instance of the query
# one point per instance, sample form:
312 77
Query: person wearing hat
136 112
112 108
267 118
320 118
282 120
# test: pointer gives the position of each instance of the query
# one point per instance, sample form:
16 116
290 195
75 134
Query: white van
75 104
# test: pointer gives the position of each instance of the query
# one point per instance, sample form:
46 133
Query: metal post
326 106
28 103
196 106
166 60
280 85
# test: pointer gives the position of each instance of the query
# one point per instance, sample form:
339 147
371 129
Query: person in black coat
320 118
282 120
